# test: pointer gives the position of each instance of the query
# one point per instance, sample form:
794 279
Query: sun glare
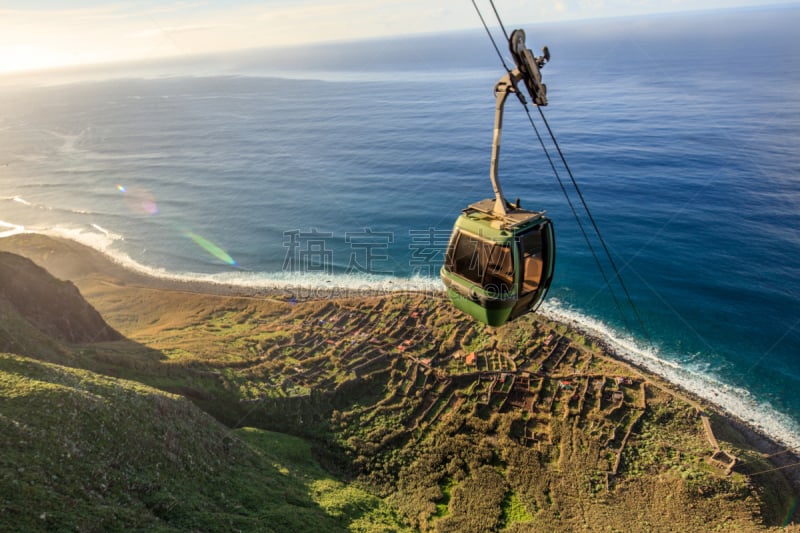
25 57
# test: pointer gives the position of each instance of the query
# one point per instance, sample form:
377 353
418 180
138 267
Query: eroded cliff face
54 307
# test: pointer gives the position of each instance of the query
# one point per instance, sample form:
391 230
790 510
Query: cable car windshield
483 262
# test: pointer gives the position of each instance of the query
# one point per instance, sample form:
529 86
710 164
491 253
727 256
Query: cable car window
499 271
531 252
460 258
482 262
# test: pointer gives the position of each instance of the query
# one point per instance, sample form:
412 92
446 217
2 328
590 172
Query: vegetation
86 451
362 414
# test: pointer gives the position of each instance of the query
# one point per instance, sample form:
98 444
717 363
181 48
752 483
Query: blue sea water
346 165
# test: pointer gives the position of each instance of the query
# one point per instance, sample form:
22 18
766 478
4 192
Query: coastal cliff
180 406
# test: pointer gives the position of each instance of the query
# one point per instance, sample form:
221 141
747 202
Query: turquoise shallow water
345 166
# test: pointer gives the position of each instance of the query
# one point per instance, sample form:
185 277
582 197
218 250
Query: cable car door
535 253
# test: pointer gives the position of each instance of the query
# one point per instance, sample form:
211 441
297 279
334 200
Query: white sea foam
22 201
320 281
307 284
99 241
7 229
69 141
109 234
697 379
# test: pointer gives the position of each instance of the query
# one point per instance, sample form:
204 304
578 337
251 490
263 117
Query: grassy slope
663 473
444 462
80 450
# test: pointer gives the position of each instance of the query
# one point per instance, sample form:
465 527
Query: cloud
124 30
160 31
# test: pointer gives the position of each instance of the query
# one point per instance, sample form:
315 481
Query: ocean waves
7 229
692 372
697 377
247 181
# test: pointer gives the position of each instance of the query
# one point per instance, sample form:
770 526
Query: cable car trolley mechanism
500 258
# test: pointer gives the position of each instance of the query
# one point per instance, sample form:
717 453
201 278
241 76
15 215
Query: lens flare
211 248
790 514
139 201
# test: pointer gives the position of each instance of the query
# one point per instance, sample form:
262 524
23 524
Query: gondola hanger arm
527 71
504 87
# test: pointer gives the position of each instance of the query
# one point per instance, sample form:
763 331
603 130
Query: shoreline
81 265
779 454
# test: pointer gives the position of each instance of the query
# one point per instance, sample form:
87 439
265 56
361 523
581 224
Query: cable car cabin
499 267
499 262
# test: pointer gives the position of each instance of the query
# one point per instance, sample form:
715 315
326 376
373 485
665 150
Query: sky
42 34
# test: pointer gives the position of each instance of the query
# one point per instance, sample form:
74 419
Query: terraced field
402 383
453 426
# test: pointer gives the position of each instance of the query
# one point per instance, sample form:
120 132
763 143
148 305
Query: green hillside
373 414
88 452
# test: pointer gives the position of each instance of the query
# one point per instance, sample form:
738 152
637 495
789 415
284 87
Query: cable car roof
515 219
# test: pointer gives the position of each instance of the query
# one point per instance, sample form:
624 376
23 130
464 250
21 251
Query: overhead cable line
499 20
550 160
491 37
784 467
617 273
547 154
577 218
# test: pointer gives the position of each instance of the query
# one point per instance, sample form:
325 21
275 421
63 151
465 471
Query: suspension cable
491 37
617 272
577 218
499 20
774 469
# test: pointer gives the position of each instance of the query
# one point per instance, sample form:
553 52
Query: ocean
345 165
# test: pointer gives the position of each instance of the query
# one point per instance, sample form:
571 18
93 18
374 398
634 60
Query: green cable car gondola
500 259
498 269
